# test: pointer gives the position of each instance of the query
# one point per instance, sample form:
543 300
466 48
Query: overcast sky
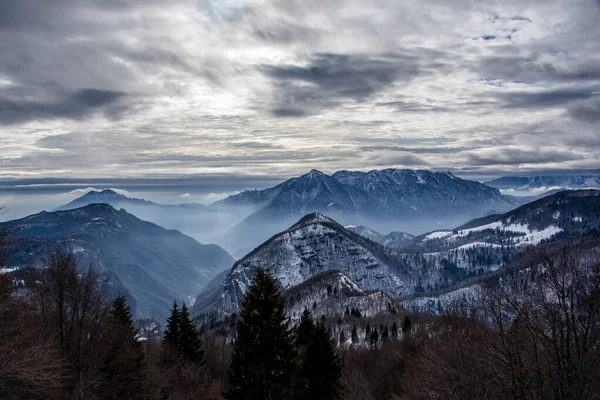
154 88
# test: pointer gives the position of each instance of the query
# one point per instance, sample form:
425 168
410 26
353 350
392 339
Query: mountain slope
567 213
156 265
331 293
313 245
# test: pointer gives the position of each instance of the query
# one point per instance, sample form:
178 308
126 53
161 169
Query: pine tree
171 334
354 334
189 342
305 328
320 367
374 337
342 338
262 361
406 324
368 332
123 366
394 330
385 333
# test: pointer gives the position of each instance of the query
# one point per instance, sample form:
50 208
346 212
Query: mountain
194 219
386 200
331 293
525 183
106 196
156 265
313 245
395 240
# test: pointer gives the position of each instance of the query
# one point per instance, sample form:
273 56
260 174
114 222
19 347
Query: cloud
76 105
133 89
185 195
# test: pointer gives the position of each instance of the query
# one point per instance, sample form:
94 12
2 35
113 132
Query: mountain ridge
155 264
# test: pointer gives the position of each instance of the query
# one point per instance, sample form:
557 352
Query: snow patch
438 235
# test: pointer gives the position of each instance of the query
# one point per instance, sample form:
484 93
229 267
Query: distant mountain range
547 182
154 264
385 200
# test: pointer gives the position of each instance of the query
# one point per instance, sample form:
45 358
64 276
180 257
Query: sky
260 90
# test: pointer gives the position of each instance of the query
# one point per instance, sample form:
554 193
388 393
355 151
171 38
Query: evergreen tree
305 328
368 332
189 342
406 324
394 330
354 334
262 362
374 337
320 367
171 334
123 365
385 333
342 338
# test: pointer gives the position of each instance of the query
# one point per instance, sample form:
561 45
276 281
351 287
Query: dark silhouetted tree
262 361
171 334
189 342
320 366
406 324
354 334
123 366
305 328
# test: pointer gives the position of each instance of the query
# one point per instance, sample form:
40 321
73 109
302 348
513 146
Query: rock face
156 265
386 200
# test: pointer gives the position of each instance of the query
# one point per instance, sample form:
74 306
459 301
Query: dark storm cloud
327 79
76 105
544 99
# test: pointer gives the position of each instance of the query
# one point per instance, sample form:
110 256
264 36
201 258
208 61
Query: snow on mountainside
331 293
567 213
385 200
156 265
313 245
